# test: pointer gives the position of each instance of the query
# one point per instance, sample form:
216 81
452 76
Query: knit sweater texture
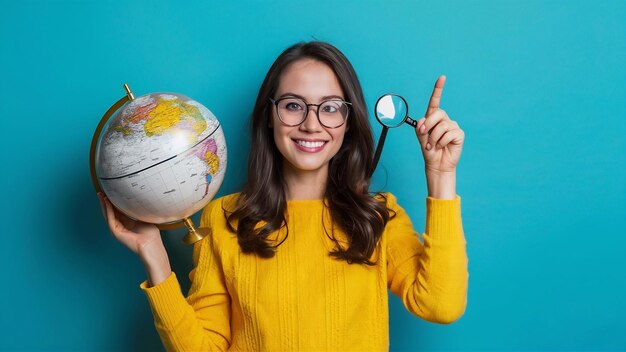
302 298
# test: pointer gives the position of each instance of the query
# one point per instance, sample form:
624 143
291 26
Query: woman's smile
310 146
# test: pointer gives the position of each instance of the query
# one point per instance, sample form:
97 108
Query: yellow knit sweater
303 299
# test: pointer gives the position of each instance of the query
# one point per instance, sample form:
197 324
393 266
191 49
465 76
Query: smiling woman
303 257
303 159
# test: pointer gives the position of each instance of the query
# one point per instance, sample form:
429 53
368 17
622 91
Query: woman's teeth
308 144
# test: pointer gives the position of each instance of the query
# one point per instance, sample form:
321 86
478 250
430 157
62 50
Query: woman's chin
309 167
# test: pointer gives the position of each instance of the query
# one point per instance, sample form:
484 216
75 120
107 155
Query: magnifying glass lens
391 110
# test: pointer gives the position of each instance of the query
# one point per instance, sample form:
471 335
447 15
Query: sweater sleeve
200 322
431 277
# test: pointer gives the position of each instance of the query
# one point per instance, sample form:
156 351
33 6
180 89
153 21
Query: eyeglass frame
306 114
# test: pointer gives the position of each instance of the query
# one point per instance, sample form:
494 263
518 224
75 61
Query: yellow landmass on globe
199 124
168 113
212 160
164 115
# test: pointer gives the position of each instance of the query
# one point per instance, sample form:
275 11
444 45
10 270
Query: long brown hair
362 216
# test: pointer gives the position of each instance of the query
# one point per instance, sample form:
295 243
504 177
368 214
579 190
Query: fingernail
422 129
428 146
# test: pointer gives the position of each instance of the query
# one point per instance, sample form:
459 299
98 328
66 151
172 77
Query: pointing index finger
435 98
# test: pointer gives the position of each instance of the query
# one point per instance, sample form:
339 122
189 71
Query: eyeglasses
293 111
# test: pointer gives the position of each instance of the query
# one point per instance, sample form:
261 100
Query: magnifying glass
391 111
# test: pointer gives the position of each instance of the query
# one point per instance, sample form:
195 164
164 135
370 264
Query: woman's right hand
134 234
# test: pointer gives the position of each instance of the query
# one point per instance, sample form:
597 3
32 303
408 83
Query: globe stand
194 235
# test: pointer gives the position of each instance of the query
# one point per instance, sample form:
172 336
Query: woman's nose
311 123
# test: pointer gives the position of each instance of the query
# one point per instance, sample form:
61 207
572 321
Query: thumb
421 137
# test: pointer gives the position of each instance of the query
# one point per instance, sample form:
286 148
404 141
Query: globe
160 158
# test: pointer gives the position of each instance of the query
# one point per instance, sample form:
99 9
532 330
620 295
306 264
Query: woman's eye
329 108
293 106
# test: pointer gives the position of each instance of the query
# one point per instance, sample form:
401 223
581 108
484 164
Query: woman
302 258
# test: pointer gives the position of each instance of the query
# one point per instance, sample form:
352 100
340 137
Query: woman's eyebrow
288 94
326 97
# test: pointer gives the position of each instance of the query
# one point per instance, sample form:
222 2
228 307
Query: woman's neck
304 185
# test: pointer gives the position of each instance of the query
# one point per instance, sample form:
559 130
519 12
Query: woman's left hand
440 137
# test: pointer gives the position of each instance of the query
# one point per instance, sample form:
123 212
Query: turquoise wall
538 86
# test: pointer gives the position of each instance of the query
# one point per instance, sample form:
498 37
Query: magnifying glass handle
379 148
410 121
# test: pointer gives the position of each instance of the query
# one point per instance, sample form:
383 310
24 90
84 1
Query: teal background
539 87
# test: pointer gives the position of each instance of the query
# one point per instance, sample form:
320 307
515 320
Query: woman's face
308 146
